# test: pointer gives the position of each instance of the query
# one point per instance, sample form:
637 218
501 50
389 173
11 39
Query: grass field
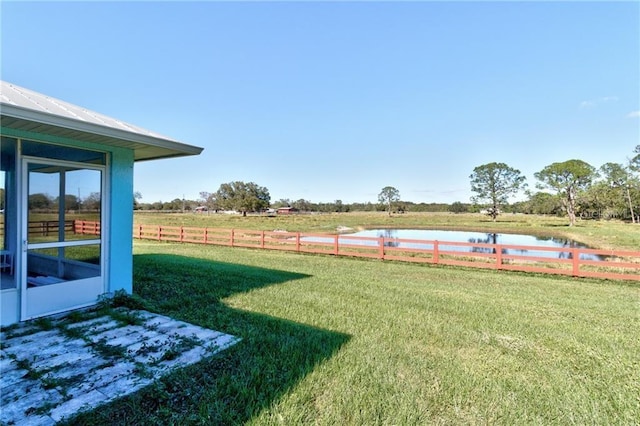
595 233
345 341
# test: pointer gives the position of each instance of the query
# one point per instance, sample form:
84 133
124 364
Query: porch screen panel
8 213
64 232
44 195
65 204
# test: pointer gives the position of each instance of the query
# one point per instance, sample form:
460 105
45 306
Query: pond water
393 236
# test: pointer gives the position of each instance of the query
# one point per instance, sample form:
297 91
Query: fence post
206 235
498 249
231 236
575 253
159 233
436 252
182 234
336 246
381 248
297 241
262 239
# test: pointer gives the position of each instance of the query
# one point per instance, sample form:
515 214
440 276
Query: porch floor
51 369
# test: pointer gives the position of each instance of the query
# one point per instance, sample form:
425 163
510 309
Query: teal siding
120 258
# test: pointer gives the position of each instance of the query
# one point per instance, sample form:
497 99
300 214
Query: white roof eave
179 149
27 106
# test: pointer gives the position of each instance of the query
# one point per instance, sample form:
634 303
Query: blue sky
336 100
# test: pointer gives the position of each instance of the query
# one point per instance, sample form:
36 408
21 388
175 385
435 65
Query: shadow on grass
237 384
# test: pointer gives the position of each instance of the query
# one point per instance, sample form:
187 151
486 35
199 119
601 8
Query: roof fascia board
55 139
67 123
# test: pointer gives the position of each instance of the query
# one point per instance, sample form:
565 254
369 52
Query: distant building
287 210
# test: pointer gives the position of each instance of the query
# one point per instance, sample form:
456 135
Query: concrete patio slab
53 369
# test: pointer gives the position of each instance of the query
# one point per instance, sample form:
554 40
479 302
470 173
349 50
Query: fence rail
49 227
86 227
45 228
577 262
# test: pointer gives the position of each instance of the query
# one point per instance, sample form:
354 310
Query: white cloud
587 104
592 103
634 114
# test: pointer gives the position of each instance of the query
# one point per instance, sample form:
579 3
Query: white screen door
62 244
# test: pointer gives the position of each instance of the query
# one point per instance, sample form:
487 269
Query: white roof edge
67 123
24 104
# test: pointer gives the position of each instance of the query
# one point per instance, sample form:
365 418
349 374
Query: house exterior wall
120 257
119 207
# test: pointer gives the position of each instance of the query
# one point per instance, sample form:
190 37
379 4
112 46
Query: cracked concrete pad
49 375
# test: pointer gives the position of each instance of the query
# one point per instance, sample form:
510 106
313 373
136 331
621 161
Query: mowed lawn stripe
348 341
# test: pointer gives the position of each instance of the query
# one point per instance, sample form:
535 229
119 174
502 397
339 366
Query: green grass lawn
595 233
346 341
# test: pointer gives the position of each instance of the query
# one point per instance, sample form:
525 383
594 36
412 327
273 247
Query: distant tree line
46 202
302 205
572 188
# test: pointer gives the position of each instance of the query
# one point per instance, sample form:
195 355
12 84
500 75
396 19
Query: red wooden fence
613 264
49 227
52 227
86 227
